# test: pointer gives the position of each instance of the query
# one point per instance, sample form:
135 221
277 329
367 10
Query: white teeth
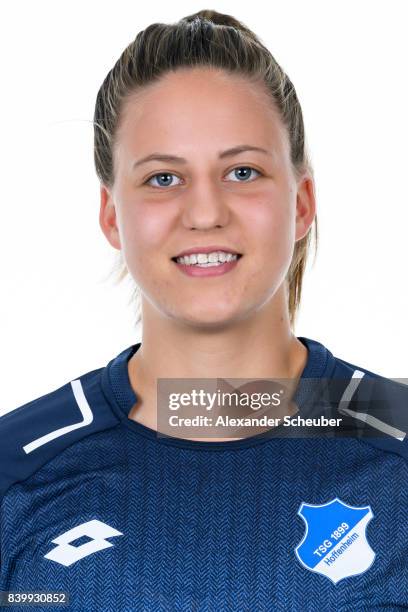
207 259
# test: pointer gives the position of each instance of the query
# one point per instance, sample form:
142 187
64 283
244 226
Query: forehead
200 105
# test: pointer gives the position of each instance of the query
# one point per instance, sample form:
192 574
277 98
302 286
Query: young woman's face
247 202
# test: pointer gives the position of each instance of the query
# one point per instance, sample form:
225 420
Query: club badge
335 543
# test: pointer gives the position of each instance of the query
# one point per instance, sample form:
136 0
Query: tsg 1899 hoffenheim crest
335 542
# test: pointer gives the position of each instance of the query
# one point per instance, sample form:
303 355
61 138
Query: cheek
145 230
271 222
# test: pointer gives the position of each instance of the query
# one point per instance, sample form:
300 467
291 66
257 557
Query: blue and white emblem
335 543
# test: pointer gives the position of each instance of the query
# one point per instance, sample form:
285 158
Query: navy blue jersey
98 506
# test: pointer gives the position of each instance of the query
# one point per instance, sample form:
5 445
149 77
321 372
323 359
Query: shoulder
374 405
36 432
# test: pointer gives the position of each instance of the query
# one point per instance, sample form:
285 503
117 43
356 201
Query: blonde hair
205 38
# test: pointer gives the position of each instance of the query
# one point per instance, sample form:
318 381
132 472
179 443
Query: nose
205 206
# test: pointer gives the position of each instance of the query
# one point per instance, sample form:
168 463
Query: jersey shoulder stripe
36 432
377 403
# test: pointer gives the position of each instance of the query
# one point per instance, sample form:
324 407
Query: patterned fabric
166 524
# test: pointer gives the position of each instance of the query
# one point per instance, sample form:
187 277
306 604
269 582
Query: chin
210 319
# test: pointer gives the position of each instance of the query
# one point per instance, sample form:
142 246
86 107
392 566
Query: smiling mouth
207 265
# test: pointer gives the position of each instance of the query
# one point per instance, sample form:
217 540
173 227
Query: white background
59 316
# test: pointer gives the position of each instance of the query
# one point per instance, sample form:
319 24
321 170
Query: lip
207 249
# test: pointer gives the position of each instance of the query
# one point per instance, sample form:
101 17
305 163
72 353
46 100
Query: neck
262 346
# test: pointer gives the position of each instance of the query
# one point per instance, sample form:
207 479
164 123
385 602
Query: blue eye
246 173
163 177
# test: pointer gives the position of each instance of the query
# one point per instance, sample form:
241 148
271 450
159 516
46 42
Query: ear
107 218
305 206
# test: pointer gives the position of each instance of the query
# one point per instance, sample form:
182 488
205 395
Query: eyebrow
181 160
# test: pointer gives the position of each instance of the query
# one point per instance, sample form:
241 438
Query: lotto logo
67 554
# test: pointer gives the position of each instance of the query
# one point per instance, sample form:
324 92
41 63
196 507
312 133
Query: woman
207 193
